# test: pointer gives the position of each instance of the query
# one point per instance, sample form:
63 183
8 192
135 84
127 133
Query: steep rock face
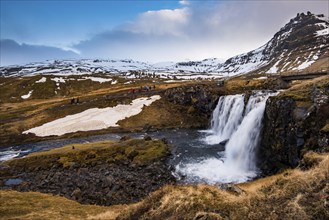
290 129
200 98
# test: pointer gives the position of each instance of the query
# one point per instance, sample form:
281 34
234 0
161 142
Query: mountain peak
295 47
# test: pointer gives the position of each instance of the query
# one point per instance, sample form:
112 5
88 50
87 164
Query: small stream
188 147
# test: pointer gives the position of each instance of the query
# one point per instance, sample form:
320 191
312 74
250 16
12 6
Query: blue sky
60 22
146 30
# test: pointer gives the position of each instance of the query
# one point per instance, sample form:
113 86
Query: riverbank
103 173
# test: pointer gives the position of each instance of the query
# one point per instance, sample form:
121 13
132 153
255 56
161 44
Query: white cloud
160 22
184 2
198 30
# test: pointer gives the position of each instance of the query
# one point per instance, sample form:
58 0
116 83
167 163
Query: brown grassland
294 194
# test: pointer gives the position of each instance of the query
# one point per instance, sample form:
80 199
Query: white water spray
238 164
226 118
240 149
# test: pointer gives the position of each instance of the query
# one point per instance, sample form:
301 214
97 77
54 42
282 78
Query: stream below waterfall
225 153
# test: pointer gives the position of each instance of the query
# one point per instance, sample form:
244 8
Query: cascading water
226 118
237 163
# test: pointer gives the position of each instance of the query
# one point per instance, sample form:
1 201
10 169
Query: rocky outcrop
200 98
102 184
293 127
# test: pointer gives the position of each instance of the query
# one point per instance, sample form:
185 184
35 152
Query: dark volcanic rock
291 129
99 182
118 185
201 98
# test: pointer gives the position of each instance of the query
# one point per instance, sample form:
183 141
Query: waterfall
242 126
226 118
240 149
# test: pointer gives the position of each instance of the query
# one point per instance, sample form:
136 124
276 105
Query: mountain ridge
300 44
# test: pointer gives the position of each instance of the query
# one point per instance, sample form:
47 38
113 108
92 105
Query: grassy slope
294 194
18 115
300 91
33 205
163 114
16 205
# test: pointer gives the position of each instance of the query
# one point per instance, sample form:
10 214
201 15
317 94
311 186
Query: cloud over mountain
195 30
14 53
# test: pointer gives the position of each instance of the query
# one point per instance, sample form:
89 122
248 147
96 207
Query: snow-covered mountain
301 44
68 67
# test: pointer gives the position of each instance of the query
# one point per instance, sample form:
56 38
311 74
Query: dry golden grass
294 194
17 115
238 84
301 91
322 81
33 205
163 114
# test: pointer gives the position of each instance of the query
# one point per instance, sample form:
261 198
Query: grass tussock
326 128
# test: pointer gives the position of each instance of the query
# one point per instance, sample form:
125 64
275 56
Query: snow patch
28 95
274 68
93 119
42 80
305 64
58 80
97 79
323 32
262 77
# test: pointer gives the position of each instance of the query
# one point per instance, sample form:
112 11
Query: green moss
137 151
151 151
298 95
65 161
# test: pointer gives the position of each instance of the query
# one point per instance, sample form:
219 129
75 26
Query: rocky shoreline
120 179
